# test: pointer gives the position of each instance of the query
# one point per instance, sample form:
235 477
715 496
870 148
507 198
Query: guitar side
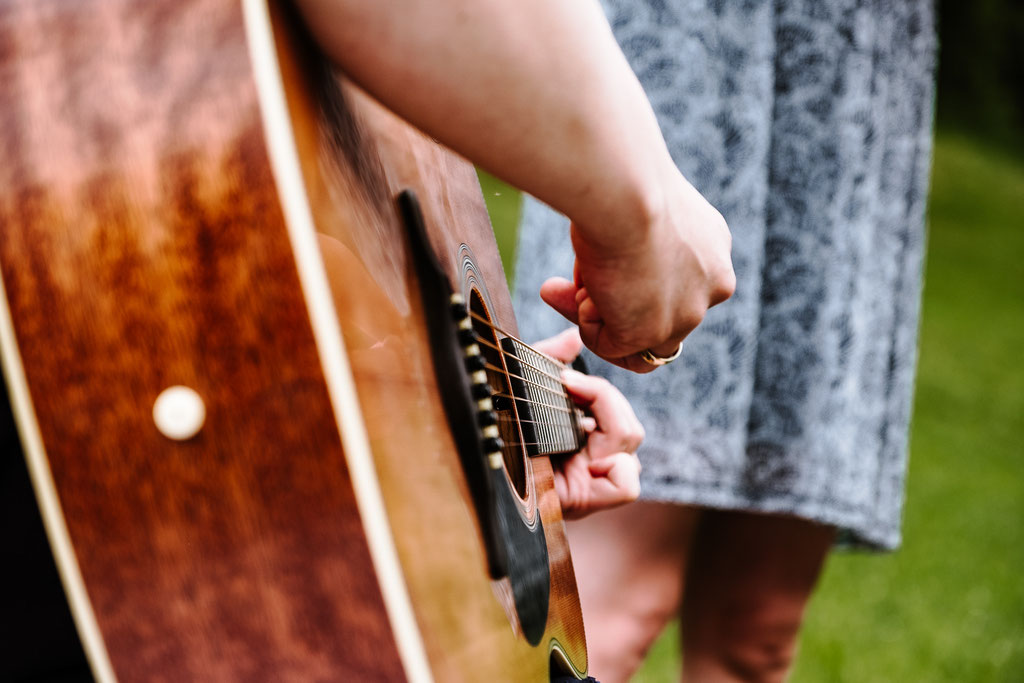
357 157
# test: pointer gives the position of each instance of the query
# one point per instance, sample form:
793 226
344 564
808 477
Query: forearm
535 91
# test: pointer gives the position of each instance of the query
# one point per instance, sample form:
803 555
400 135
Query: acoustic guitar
263 363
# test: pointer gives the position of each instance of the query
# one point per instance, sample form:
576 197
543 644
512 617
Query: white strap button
179 413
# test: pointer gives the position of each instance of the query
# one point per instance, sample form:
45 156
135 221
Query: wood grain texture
141 246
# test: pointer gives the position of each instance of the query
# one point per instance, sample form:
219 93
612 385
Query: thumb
560 294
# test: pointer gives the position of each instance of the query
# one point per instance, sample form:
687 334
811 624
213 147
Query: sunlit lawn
949 606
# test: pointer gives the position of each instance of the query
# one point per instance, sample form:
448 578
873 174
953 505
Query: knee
756 644
760 650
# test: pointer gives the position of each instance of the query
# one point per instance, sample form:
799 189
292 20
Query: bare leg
749 580
629 566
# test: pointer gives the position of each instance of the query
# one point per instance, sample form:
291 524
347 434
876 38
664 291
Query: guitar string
481 340
568 436
494 327
536 403
530 443
561 394
560 428
523 361
512 374
491 366
558 425
567 443
531 402
510 419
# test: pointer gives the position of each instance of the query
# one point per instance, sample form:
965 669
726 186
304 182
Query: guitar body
190 197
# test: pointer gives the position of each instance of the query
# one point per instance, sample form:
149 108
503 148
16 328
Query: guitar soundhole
512 453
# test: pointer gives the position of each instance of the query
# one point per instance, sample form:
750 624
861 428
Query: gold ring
657 361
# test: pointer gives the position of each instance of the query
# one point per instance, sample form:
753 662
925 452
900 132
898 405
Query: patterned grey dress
808 125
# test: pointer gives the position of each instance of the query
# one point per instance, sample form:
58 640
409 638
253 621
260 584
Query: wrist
628 219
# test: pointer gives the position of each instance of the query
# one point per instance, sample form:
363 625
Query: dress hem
858 528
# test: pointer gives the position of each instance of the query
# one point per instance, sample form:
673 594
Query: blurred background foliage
948 606
981 70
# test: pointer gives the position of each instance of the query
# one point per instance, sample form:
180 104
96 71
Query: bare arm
538 93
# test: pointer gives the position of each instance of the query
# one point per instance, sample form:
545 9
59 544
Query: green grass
949 606
503 205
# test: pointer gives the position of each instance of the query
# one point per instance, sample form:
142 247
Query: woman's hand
539 93
606 472
649 287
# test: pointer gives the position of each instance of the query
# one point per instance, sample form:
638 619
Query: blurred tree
981 67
